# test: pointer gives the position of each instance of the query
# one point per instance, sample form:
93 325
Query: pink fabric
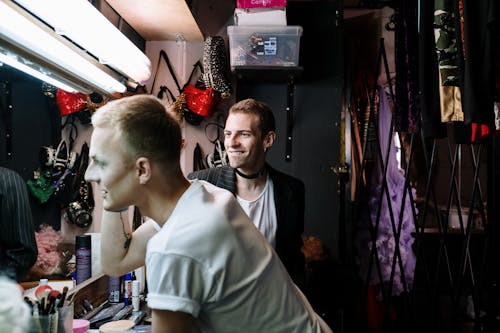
49 258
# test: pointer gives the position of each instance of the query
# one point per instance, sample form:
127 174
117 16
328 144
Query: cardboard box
260 16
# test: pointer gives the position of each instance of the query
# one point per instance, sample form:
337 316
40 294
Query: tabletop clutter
54 310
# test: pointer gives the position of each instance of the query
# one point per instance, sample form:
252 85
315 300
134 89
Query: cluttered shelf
89 303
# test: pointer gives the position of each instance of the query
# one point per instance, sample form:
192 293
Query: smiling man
273 200
208 268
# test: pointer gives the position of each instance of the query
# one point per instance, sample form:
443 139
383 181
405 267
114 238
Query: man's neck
164 199
249 186
254 175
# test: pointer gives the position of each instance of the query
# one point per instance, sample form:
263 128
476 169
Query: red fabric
479 131
375 312
70 102
462 31
259 3
200 101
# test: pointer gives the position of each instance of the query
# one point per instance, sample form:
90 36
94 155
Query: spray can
83 258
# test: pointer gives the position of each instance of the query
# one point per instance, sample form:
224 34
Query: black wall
35 122
316 114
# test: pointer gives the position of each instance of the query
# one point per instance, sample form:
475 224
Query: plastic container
81 326
258 45
61 322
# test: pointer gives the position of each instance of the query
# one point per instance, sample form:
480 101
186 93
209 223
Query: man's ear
269 140
143 167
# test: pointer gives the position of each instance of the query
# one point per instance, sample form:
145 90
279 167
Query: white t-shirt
262 211
210 261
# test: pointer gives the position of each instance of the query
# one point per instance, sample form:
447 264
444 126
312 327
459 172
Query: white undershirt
262 212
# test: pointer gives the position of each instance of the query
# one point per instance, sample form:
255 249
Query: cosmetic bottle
135 295
83 252
127 288
114 288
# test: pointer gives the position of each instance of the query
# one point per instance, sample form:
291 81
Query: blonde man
208 268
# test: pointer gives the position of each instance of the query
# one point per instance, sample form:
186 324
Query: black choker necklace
253 175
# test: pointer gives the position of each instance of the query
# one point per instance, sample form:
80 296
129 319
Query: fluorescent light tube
14 62
22 34
83 24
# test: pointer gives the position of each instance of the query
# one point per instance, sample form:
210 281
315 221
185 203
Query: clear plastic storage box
264 45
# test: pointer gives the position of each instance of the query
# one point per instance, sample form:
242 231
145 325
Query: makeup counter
99 304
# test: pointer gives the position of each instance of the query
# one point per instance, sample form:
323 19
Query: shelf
268 73
449 231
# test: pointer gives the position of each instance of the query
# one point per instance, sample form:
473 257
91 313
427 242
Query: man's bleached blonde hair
145 127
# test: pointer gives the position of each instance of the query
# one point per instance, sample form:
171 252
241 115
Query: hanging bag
215 66
176 105
218 157
199 99
194 101
64 168
177 111
79 210
198 163
69 103
41 186
55 171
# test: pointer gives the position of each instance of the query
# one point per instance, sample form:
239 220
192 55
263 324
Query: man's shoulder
209 172
205 196
205 202
281 177
223 177
212 188
9 173
10 179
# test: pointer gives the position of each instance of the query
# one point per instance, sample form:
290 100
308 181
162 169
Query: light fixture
83 24
35 40
13 61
